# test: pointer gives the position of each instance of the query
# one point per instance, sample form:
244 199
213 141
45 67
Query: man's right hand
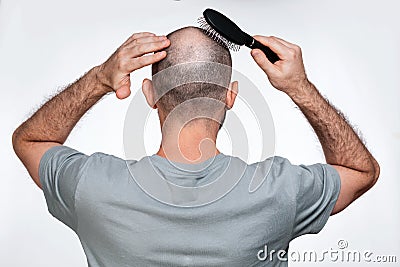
287 74
130 56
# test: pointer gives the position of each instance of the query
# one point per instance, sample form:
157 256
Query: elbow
373 173
17 141
368 178
377 170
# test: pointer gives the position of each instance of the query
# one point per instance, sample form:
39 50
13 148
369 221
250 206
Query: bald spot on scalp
191 44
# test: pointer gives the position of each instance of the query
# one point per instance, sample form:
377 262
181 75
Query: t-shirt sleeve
60 169
317 189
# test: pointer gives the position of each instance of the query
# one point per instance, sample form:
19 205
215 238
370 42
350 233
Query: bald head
192 44
208 77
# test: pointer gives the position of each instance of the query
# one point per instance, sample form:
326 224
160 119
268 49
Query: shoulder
106 164
278 173
275 167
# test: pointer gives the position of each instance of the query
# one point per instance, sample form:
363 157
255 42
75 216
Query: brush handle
267 51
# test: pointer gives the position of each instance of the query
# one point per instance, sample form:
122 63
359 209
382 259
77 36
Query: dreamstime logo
339 254
247 127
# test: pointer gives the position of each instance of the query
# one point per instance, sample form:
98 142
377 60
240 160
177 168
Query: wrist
304 90
101 83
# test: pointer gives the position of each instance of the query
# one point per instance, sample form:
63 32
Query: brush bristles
216 36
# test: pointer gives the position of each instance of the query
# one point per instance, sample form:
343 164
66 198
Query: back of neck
192 144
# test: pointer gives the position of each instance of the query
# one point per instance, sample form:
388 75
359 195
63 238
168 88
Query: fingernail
255 52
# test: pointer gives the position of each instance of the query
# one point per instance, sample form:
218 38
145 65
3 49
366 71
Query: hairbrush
228 34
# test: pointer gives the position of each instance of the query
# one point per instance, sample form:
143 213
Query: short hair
191 44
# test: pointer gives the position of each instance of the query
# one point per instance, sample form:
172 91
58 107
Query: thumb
123 92
262 61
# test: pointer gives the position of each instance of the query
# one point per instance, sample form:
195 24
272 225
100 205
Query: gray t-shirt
120 224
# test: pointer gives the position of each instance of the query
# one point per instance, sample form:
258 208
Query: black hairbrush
228 34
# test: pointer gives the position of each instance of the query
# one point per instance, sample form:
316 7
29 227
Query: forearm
54 121
357 169
341 145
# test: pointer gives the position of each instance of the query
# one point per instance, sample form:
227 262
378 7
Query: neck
192 144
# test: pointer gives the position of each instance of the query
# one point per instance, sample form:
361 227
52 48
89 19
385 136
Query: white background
351 52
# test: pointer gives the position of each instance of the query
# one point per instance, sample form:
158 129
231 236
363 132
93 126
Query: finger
146 48
138 35
262 61
123 92
144 40
146 60
288 44
279 48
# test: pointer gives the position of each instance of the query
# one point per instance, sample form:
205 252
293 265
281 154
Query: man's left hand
133 54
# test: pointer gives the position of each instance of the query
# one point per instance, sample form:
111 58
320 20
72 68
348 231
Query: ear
148 91
231 94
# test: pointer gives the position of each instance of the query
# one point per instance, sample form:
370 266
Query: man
120 224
